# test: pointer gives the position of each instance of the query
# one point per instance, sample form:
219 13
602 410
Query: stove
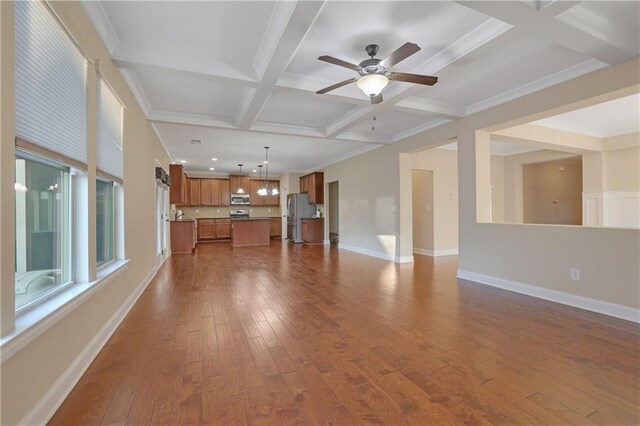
239 214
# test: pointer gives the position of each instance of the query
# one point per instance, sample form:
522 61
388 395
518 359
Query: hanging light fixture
262 190
267 187
240 190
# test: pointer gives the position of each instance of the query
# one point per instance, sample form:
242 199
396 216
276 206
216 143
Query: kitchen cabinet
223 228
256 200
313 230
207 196
264 200
178 190
313 184
224 192
237 182
275 227
183 236
206 229
194 192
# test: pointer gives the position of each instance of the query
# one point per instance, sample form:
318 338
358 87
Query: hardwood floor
312 335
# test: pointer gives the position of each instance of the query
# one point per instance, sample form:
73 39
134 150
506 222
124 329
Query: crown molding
102 24
163 140
421 128
418 105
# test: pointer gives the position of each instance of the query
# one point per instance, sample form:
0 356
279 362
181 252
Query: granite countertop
184 220
251 218
312 218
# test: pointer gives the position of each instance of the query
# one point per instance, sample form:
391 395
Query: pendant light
240 190
262 190
267 186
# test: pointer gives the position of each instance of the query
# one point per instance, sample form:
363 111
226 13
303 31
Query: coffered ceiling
209 70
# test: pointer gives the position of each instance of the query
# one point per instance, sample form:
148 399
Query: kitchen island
250 232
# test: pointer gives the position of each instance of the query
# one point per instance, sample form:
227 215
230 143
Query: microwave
239 199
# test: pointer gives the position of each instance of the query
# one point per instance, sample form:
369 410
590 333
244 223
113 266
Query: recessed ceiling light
254 171
196 141
214 159
183 161
265 162
212 168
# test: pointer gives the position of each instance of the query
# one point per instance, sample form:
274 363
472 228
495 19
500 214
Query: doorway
422 205
334 212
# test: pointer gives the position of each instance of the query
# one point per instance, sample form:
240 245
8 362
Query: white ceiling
617 117
241 75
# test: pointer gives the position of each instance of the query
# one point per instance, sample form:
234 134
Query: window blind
109 140
50 83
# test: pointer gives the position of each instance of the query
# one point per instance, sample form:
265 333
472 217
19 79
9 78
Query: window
105 229
43 228
50 119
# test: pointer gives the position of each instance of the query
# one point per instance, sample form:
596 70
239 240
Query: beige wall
29 373
497 189
333 210
552 192
622 170
422 181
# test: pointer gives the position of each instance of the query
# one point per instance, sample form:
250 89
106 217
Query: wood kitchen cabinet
194 191
264 200
223 228
313 231
313 184
178 192
208 195
214 229
225 192
206 229
237 182
275 227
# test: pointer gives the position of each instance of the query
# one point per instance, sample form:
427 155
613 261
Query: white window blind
109 143
50 83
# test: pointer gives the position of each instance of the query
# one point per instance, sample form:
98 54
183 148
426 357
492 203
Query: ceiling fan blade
376 99
339 62
400 54
336 86
429 80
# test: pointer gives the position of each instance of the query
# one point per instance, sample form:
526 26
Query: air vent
196 142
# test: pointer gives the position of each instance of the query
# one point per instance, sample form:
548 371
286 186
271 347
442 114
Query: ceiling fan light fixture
372 84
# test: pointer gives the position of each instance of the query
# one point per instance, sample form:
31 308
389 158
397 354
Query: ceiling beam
302 18
544 24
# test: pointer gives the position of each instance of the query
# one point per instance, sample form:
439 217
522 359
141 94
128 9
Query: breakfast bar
250 232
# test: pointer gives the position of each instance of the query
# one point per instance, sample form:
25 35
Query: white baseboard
435 253
47 406
607 308
379 255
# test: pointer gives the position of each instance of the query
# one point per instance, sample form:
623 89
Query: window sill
31 324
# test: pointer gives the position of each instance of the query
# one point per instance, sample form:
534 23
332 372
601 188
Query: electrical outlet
197 210
218 211
575 274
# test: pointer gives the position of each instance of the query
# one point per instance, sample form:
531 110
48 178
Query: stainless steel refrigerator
298 207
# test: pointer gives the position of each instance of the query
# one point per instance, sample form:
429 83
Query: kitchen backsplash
221 212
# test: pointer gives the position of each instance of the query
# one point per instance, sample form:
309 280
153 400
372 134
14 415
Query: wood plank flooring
311 335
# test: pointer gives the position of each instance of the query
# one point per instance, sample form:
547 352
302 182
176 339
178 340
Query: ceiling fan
374 74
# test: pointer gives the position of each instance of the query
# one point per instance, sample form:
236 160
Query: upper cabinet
313 184
238 182
194 191
178 193
264 200
214 192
